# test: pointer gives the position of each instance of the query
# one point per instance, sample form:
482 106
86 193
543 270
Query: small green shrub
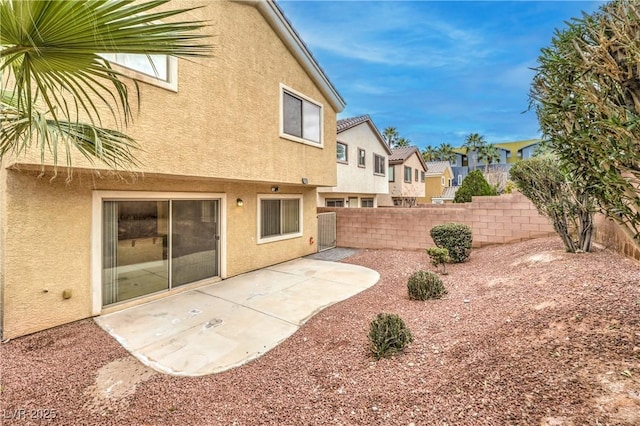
472 186
439 256
423 285
455 237
388 334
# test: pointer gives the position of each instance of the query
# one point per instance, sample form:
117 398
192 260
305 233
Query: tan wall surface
224 119
609 234
494 220
48 240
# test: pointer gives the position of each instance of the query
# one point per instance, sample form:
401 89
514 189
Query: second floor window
378 164
417 174
361 157
342 153
392 173
301 118
407 174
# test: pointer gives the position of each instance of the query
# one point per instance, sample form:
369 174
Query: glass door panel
135 255
194 240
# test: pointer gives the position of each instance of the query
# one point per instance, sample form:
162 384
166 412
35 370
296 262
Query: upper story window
392 173
407 174
301 118
159 70
417 173
378 164
442 181
342 152
421 176
361 157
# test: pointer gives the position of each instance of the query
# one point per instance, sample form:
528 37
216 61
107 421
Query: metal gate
326 231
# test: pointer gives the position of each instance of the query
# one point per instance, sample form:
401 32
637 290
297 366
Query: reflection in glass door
154 245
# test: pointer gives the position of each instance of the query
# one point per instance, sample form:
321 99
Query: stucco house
362 157
407 172
438 178
235 147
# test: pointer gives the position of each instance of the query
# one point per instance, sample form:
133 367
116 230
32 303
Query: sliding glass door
150 246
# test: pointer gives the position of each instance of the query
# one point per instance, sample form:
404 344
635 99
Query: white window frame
333 201
375 164
298 234
285 89
171 83
96 231
346 153
362 155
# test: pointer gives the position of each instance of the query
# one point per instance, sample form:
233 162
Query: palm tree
391 136
472 144
489 154
446 153
55 83
429 154
402 142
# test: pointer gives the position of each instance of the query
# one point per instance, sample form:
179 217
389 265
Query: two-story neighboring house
406 176
235 147
362 157
437 183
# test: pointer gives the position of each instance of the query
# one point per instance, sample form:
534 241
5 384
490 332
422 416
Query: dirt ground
527 335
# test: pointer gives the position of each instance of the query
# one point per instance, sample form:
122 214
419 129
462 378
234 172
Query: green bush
439 256
423 285
473 185
388 334
455 237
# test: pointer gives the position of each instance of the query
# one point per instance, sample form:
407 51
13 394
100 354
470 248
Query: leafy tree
569 207
55 84
488 154
472 145
586 93
402 142
473 185
429 154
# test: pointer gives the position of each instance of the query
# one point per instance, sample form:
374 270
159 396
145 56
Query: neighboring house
438 178
235 147
406 176
447 196
362 157
510 152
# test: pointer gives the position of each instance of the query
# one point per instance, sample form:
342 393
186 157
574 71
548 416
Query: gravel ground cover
527 335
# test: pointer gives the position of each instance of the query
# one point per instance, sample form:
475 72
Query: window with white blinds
279 217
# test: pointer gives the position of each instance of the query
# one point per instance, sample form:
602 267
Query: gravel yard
527 335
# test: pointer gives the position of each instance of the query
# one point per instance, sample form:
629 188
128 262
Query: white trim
96 230
285 88
172 74
298 234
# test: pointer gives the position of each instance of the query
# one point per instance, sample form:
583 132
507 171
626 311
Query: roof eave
280 24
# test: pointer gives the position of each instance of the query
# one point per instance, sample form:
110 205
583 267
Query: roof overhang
276 19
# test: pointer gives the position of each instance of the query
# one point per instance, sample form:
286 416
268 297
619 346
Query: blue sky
435 70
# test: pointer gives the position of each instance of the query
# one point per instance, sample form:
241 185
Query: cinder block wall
494 220
609 234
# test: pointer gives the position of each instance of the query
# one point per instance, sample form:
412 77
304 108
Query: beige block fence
494 220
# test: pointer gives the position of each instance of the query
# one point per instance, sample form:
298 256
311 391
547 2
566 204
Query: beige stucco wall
400 188
224 119
353 178
48 240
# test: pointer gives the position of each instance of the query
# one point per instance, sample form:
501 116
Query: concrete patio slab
226 324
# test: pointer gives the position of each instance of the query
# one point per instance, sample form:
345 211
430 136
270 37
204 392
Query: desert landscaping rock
549 338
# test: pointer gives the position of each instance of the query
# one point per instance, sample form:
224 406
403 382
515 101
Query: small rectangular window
442 180
159 70
301 118
407 174
342 152
361 157
279 218
334 202
378 164
417 173
366 202
392 174
421 176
